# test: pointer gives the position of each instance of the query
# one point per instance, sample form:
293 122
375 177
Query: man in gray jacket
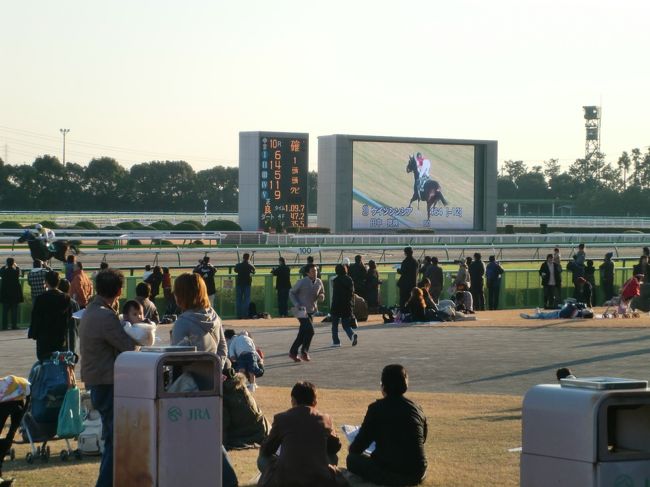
305 295
102 339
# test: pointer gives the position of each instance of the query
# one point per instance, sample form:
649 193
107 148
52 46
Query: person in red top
631 289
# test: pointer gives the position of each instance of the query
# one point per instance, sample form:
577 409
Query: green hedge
9 224
162 225
218 225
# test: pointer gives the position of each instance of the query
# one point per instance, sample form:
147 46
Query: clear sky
155 79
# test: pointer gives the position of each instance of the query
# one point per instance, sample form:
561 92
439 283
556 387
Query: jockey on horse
423 167
45 235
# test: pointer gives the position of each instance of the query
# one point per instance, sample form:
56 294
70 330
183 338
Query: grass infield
469 438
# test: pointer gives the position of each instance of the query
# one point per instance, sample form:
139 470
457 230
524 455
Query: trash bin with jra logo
161 436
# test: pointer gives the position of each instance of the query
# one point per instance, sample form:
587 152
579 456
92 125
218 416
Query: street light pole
64 131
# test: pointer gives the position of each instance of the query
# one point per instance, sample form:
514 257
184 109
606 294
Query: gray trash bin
586 432
165 438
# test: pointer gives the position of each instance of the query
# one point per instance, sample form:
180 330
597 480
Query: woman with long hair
198 325
416 306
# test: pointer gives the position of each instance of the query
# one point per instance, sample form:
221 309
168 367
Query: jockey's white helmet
38 226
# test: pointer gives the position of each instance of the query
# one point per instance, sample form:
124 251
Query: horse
430 191
40 251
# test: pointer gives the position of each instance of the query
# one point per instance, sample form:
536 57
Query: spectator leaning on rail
493 273
358 273
607 276
102 339
477 273
207 272
243 282
282 274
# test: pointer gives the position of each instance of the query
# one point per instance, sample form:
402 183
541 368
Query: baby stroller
14 398
50 380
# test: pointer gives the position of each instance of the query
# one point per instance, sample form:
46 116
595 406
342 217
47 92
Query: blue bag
50 381
70 421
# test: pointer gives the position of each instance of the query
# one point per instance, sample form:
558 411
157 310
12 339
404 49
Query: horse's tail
442 199
74 249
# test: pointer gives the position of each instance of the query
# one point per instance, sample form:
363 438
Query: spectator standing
372 286
408 279
207 272
398 427
11 293
578 271
358 273
81 287
149 310
557 257
170 303
342 305
155 281
607 276
36 279
305 295
477 273
493 273
73 323
199 325
51 316
69 267
307 444
147 272
462 276
102 339
282 275
642 266
590 277
437 279
551 274
425 267
243 281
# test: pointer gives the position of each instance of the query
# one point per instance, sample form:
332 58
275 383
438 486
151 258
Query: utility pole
64 132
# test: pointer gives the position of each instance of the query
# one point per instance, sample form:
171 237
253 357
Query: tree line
596 186
104 185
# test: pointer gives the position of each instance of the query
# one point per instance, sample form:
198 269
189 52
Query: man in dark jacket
207 272
476 273
282 286
607 276
50 319
342 305
358 273
408 278
551 274
399 429
493 273
244 271
435 275
11 293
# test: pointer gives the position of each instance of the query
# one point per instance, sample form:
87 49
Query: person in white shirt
424 165
243 353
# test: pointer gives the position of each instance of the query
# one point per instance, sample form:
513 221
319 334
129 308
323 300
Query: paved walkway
471 359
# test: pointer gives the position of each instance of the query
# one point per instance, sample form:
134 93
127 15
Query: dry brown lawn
469 438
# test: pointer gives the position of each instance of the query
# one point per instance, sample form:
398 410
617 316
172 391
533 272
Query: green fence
520 288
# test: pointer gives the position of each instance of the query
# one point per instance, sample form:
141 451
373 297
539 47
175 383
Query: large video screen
394 183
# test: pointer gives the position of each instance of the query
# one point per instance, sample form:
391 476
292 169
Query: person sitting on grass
244 424
307 446
416 307
630 290
398 427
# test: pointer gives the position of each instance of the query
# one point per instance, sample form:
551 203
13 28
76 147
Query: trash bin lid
169 348
604 383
